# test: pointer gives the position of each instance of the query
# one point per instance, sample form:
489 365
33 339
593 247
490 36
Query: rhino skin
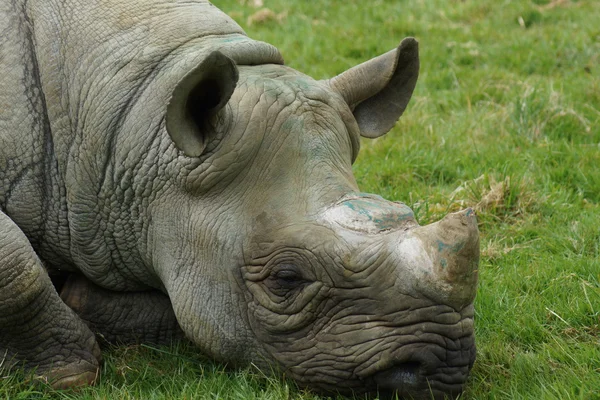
162 175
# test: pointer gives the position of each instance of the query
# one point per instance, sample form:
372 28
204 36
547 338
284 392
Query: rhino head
271 254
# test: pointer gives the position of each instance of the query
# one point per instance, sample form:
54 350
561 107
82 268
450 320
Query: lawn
506 119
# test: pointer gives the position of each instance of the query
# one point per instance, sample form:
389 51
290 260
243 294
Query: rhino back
103 72
25 139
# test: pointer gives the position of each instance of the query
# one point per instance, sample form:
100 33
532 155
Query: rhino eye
285 279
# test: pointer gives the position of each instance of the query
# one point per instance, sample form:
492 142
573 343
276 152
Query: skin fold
186 183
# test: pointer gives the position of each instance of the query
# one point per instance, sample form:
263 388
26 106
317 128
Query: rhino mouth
409 380
407 355
402 379
419 370
428 372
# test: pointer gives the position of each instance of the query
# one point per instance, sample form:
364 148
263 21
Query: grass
506 119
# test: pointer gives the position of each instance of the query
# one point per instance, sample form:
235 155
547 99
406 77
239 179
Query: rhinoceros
164 176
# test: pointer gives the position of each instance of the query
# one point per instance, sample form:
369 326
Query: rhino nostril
403 377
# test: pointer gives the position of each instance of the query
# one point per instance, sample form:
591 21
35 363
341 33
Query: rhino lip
402 379
423 375
408 380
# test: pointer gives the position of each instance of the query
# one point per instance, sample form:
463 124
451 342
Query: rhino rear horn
378 90
197 97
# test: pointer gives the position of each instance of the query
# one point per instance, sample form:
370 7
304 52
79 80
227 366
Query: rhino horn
379 90
452 245
200 94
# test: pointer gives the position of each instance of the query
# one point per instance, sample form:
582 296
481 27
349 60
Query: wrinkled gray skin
186 178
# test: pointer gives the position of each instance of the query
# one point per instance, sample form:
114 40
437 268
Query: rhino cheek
209 312
196 274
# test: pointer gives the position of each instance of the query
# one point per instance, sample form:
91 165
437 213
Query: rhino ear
378 90
197 97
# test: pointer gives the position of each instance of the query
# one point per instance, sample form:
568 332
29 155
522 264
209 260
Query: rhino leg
37 330
123 317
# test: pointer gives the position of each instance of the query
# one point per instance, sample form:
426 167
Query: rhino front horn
452 245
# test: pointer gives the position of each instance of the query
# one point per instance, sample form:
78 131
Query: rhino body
163 175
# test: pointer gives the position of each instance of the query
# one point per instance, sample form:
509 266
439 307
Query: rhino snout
431 359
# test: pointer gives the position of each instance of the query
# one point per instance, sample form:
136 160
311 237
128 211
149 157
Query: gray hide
162 175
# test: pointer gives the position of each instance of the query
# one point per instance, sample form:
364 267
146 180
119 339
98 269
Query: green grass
506 119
